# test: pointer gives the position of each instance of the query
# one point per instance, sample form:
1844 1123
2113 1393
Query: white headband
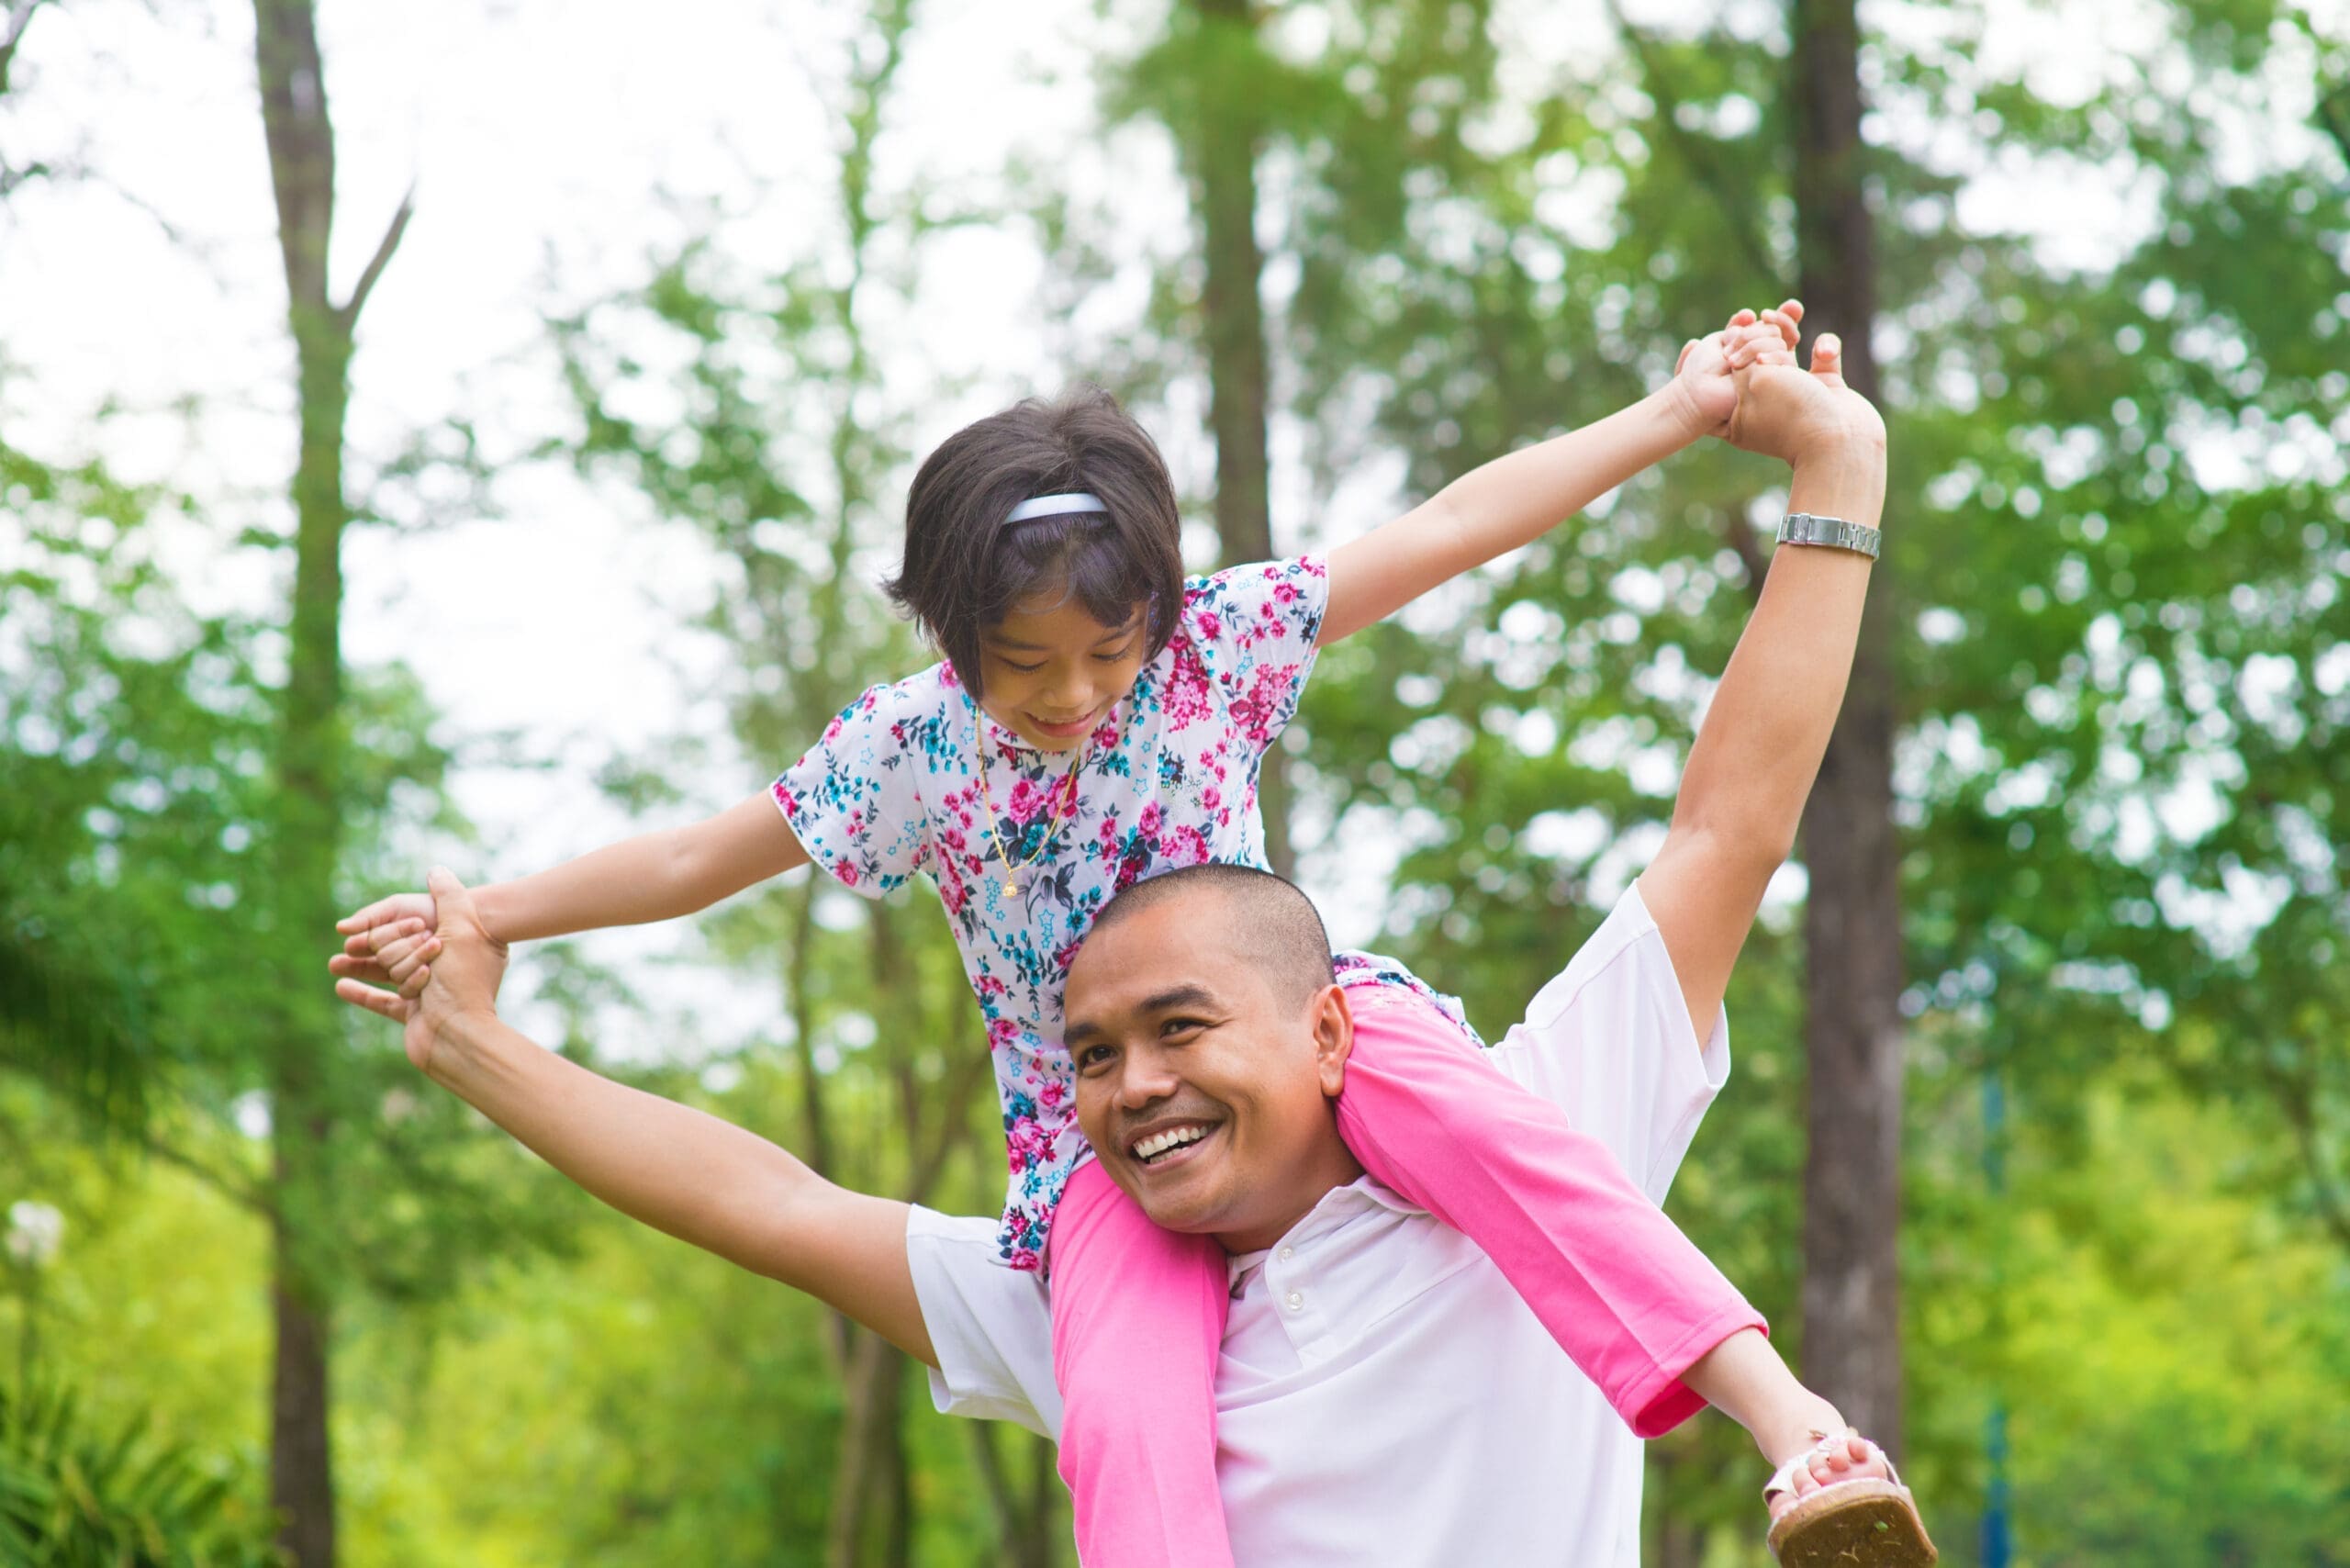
1053 506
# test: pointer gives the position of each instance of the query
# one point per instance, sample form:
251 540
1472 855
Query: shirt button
1296 1300
1287 1253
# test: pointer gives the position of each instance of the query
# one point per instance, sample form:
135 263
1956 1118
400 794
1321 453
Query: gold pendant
1010 889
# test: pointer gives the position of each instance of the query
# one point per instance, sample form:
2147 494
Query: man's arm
1515 500
701 1180
1759 749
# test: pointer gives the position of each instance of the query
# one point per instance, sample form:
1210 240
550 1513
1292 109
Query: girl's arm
654 876
1515 500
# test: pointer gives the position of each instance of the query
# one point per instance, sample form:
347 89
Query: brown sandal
1863 1522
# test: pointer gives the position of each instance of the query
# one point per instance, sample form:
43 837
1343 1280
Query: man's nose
1144 1080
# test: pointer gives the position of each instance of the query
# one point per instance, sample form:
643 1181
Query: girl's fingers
412 979
401 957
373 914
413 987
365 944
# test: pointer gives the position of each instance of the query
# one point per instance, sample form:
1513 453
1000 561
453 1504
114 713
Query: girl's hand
1702 376
368 931
389 953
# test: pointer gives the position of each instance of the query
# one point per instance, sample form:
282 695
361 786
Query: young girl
1097 719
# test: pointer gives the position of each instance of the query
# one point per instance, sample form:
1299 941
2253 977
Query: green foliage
71 1496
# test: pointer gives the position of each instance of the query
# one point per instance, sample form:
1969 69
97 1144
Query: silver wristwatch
1803 528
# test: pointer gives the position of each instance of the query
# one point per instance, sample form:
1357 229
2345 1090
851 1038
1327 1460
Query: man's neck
1329 1172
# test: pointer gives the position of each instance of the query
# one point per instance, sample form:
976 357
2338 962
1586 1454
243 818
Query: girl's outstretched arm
654 876
1515 500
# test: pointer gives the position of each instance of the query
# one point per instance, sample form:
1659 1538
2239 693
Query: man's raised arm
1759 749
700 1179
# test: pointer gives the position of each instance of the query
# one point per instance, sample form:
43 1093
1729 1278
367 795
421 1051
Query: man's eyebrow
1084 1031
1179 996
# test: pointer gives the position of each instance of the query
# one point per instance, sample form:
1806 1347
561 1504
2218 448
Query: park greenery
258 1270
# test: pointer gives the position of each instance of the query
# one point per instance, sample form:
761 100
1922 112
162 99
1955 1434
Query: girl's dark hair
966 567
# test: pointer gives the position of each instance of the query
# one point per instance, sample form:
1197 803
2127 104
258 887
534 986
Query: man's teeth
1157 1144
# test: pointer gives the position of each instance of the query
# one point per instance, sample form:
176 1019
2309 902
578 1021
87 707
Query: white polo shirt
1384 1396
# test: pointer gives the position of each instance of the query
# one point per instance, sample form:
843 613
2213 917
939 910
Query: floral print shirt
1169 779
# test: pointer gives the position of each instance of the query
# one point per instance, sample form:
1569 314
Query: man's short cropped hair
1272 920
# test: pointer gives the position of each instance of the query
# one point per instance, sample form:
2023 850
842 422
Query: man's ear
1334 1038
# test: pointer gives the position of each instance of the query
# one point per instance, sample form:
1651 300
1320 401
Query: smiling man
1384 1395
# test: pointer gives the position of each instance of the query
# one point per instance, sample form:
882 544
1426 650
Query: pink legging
1138 1312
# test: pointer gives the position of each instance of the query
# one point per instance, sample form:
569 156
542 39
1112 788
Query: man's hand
1794 414
452 974
1702 379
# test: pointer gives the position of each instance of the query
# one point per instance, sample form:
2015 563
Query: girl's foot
1841 1503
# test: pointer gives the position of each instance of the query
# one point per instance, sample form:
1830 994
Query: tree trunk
1029 1526
1851 1347
300 138
1240 386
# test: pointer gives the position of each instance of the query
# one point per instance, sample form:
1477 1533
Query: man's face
1204 1089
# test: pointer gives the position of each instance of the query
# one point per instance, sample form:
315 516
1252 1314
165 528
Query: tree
1207 81
300 135
1852 947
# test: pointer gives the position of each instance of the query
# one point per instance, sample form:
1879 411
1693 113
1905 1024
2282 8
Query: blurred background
472 433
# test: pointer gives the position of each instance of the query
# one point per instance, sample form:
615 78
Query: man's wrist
1856 444
466 1042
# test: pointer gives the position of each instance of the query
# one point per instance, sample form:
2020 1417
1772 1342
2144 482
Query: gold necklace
987 796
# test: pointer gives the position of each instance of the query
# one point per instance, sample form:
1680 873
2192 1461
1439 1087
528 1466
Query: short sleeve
1255 627
990 1326
852 796
1608 1041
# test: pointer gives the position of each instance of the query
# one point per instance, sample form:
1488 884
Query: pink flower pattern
1170 780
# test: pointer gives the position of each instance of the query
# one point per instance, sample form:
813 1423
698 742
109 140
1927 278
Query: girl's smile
1053 672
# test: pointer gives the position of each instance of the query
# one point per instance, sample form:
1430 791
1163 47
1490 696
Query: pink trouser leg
1137 1325
1628 1297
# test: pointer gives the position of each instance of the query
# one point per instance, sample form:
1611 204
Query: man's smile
1170 1143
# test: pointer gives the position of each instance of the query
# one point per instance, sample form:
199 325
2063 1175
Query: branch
20 16
1736 213
349 313
236 1190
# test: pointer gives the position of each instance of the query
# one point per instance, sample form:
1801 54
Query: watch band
1803 528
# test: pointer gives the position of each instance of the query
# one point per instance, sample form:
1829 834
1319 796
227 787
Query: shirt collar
1337 1207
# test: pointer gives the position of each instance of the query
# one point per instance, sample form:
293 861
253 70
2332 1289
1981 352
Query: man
1384 1396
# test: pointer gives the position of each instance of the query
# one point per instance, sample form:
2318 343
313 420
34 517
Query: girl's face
1051 673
